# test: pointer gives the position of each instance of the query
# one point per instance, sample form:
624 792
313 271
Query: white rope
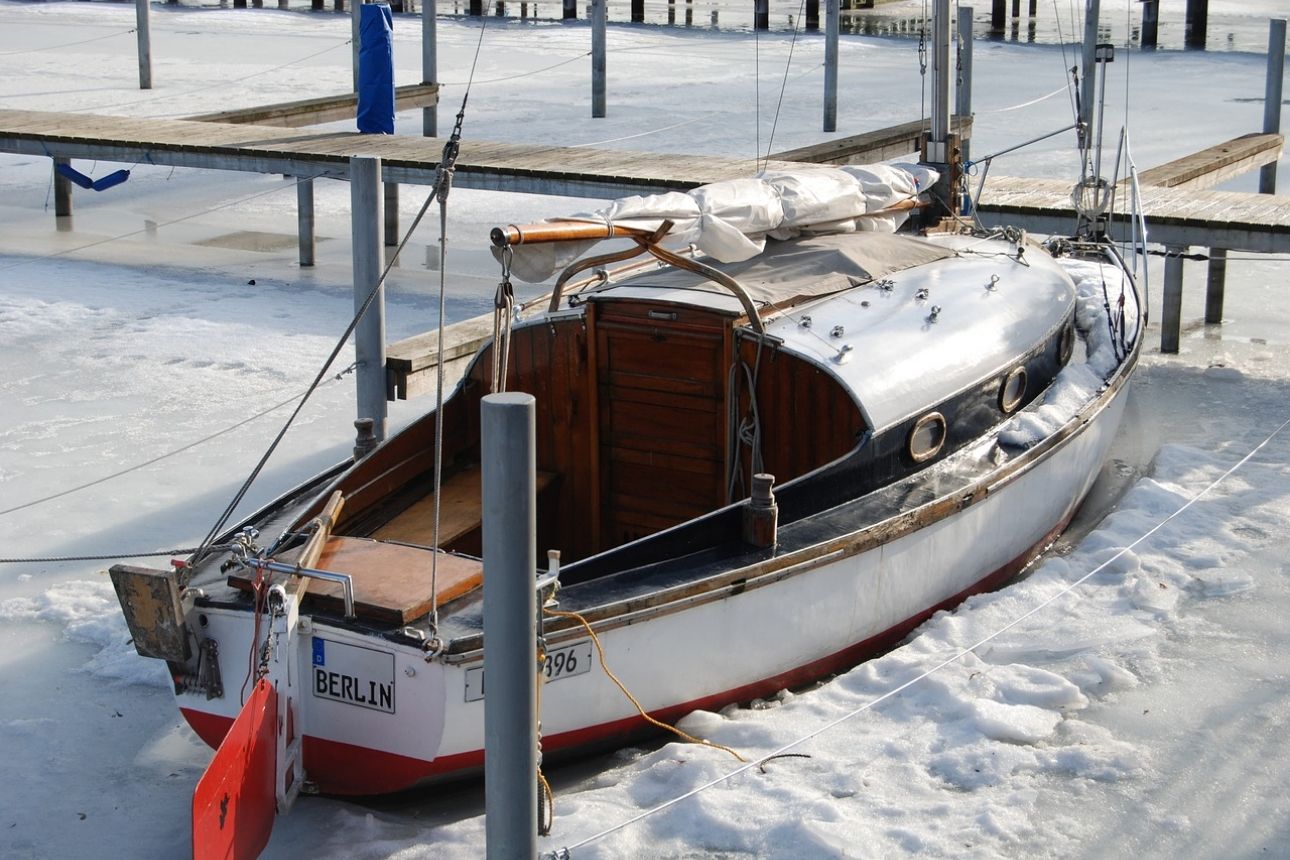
1063 88
939 666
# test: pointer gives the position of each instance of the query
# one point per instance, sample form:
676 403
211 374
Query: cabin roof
856 307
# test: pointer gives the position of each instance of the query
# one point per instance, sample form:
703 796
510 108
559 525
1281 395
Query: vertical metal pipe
510 626
963 90
597 58
1197 23
998 12
1215 285
570 8
638 11
1016 8
305 219
813 15
142 20
1272 97
1150 23
62 190
1092 13
429 66
1033 9
938 152
761 14
369 337
391 214
1171 316
355 26
831 17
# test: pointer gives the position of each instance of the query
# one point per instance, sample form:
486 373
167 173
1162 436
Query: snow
1141 712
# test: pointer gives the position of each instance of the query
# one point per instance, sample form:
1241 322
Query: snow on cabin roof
896 361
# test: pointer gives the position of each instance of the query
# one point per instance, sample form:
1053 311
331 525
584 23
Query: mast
940 144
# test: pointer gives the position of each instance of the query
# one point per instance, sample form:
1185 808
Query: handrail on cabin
646 242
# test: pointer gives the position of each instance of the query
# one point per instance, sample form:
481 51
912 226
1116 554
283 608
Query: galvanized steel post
761 14
1272 97
597 58
369 336
1171 316
963 87
356 35
938 150
305 219
1092 13
510 625
1215 285
142 19
831 15
1150 23
429 66
1197 23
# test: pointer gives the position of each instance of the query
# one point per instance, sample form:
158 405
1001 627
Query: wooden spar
562 231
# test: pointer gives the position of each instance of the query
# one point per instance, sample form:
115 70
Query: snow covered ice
1140 713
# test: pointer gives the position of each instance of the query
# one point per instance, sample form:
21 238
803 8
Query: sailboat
771 448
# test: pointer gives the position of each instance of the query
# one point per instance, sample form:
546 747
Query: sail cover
730 220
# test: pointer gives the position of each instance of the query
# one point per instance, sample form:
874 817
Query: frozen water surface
1141 714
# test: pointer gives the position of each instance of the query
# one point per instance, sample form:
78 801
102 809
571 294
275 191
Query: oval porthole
1013 390
1066 345
927 437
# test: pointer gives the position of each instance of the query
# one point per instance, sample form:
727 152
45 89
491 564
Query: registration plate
561 663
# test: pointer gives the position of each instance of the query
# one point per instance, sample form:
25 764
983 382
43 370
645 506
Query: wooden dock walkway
1179 217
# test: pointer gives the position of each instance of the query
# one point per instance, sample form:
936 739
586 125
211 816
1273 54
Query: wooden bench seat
459 514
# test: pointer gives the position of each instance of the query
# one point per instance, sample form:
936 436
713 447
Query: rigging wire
67 44
137 466
788 64
1043 604
26 261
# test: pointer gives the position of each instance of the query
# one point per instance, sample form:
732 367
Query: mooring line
565 851
67 44
136 467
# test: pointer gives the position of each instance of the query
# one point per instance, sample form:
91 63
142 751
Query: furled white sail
730 220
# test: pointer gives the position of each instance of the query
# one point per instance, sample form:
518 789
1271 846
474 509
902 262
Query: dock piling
1171 316
356 35
570 8
305 221
998 12
62 190
831 17
507 432
638 11
391 214
1197 23
597 58
1150 23
369 336
1215 285
143 26
429 66
963 86
761 14
1272 97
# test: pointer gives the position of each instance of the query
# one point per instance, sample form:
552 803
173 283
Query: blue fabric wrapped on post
376 69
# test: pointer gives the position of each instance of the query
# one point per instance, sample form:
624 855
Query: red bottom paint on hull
346 769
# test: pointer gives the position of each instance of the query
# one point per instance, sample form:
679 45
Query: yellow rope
600 651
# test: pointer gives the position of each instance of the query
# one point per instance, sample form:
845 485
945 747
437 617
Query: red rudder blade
234 804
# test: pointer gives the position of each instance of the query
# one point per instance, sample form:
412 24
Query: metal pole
142 19
429 66
305 217
355 26
62 190
1197 23
831 16
570 9
937 150
1171 318
1150 23
369 337
761 14
963 92
1214 286
1088 66
507 445
597 58
391 214
998 12
1272 97
638 11
813 15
